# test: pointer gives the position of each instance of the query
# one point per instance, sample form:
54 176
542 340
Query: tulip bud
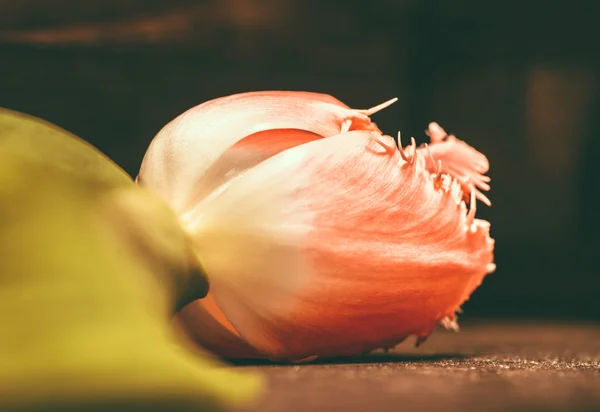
332 240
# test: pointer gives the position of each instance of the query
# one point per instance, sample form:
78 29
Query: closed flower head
320 235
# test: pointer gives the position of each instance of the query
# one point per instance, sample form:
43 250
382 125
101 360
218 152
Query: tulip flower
320 236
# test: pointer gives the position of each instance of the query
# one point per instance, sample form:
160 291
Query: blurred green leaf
90 268
43 142
144 220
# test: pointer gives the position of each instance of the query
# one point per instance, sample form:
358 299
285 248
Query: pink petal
183 163
339 246
458 159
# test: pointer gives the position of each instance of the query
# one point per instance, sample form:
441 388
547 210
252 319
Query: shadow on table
365 359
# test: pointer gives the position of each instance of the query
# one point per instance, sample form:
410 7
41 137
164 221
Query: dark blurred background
519 80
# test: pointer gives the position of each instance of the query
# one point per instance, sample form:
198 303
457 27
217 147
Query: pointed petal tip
435 132
483 198
379 107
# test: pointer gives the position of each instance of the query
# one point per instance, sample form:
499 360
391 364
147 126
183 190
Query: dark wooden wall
517 79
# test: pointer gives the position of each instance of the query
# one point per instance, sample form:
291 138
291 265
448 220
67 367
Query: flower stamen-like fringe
437 176
428 150
472 210
390 148
413 145
450 323
401 149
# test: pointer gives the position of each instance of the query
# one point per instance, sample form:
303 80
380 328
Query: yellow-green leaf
89 274
43 142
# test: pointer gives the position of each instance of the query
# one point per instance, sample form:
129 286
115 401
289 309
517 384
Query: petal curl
184 152
379 247
206 326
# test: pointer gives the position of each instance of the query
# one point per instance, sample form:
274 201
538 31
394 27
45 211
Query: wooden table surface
487 366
